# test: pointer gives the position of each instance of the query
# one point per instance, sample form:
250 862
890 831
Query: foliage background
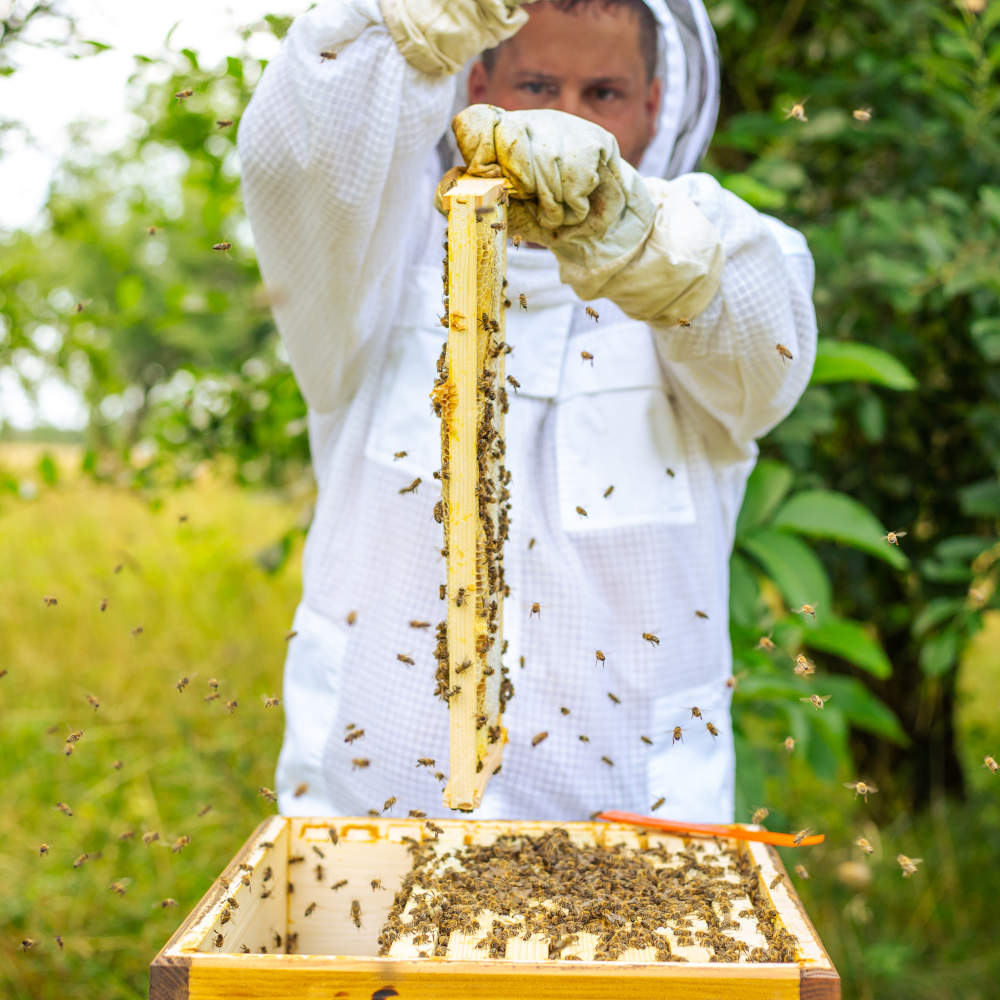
191 400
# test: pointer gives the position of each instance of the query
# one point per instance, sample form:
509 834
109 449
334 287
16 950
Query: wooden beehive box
332 958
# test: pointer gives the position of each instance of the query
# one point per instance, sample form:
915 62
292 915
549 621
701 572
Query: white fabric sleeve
334 155
726 362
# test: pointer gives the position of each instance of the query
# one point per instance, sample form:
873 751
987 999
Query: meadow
197 574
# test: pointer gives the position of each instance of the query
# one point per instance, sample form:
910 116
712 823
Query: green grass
206 607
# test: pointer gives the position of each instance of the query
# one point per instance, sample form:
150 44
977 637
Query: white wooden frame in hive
333 959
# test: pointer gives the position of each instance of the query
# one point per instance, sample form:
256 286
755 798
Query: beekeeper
342 147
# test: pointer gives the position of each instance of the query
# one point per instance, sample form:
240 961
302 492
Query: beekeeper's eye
539 88
604 94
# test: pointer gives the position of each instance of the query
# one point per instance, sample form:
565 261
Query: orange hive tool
733 831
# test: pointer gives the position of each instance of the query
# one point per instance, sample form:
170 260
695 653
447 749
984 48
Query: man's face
586 62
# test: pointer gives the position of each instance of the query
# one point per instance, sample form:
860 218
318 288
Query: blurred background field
142 381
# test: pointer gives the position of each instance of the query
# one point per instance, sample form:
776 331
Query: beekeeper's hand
439 36
637 242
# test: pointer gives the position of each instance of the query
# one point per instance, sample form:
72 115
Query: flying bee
862 114
807 609
861 788
615 700
804 667
271 702
608 761
231 706
523 300
150 836
136 632
213 684
339 885
204 811
377 884
584 739
515 241
712 729
817 700
592 313
223 122
211 697
599 655
327 55
127 835
565 711
587 356
608 492
800 836
864 845
81 861
26 944
538 738
989 762
356 913
120 886
403 658
909 865
356 734
760 815
463 666
515 385
798 111
536 609
352 617
441 776
700 614
69 750
183 683
650 638
678 730
783 352
656 805
800 870
266 793
74 736
581 512
222 247
417 814
59 941
43 849
695 712
776 881
104 604
183 95
892 537
49 601
683 321
179 844
412 488
63 808
646 740
359 763
433 828
419 624
498 226
789 743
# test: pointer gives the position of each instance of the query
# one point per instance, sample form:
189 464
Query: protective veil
340 160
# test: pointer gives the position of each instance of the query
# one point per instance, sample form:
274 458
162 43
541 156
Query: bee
377 884
587 356
412 488
211 697
339 885
442 591
81 861
75 736
800 870
231 706
49 601
222 247
776 881
179 844
498 226
804 667
352 617
798 111
892 537
565 711
357 734
137 631
538 738
646 740
584 739
536 609
318 852
356 913
695 712
403 658
333 835
760 815
650 638
816 700
599 655
417 814
514 384
69 750
104 604
43 849
683 321
223 122
523 300
183 683
324 56
989 762
909 865
800 836
121 566
359 763
244 949
127 835
864 845
862 114
120 886
433 828
26 944
459 597
701 614
440 776
515 241
310 909
213 684
861 788
712 729
150 836
419 624
783 352
426 762
807 609
678 730
463 666
615 700
63 808
608 761
789 743
656 805
266 793
59 941
271 702
183 95
218 940
592 313
581 512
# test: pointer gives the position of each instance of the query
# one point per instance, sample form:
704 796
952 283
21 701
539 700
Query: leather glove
438 37
637 242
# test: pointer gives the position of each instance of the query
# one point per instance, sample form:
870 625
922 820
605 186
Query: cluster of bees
552 887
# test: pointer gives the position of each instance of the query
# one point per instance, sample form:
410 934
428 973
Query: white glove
438 37
644 246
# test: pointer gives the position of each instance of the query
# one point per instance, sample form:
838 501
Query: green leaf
828 514
962 548
936 611
847 361
862 708
852 642
766 488
980 499
743 592
940 653
792 565
760 196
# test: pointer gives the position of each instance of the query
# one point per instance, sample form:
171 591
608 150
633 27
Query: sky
49 91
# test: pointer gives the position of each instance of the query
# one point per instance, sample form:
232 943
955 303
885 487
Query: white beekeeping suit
340 161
